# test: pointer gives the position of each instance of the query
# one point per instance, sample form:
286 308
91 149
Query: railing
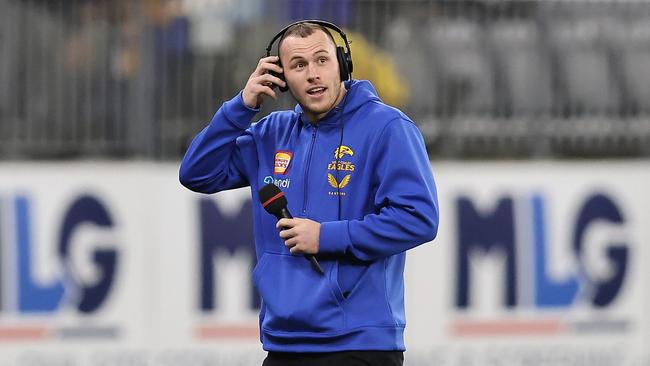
138 79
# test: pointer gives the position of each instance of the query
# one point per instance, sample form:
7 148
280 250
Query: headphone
344 56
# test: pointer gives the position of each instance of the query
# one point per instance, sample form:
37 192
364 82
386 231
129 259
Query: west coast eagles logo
342 166
343 150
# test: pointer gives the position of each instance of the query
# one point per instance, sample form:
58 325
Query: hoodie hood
359 92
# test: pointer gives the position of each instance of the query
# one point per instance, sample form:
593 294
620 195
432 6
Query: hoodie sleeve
406 202
217 157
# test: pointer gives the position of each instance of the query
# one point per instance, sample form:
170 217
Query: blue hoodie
384 193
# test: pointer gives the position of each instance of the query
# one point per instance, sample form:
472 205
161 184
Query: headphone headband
322 23
344 57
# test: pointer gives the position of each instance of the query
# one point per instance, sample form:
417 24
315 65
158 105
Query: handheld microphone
275 203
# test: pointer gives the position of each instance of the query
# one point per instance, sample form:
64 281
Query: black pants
347 358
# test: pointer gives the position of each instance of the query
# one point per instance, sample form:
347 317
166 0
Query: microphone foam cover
272 198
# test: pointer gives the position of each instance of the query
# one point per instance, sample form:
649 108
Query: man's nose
312 73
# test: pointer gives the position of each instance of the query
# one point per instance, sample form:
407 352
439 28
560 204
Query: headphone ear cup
286 86
348 62
344 63
281 77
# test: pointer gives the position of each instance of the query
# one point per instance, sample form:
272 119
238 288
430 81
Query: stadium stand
117 79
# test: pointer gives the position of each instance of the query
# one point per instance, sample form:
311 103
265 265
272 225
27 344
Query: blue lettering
548 292
88 209
222 232
490 232
32 297
600 207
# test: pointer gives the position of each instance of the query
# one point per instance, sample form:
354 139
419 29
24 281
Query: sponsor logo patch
281 183
282 161
332 181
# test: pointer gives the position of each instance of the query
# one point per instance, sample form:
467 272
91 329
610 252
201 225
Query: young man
358 181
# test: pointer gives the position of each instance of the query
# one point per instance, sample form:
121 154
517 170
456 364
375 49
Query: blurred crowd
125 78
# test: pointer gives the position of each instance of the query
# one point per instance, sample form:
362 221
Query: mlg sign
493 233
22 292
221 235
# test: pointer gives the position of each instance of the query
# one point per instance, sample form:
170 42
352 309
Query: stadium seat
415 65
586 83
635 65
466 79
523 67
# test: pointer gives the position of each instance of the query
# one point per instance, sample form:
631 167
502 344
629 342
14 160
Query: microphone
275 203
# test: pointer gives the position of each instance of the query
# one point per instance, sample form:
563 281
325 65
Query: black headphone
344 56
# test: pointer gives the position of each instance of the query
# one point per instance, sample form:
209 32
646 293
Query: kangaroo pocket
297 298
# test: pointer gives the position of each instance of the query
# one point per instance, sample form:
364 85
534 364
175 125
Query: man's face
312 73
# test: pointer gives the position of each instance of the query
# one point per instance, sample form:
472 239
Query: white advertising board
536 263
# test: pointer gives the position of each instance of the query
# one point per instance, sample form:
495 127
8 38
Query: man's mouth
316 91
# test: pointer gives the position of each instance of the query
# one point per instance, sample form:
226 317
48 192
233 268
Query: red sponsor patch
282 160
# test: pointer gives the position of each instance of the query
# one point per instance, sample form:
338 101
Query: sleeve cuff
238 113
334 237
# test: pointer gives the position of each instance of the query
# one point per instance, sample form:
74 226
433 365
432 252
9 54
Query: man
357 177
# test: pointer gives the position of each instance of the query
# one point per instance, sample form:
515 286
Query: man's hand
261 83
300 235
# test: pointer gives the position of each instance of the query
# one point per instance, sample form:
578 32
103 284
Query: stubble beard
321 113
